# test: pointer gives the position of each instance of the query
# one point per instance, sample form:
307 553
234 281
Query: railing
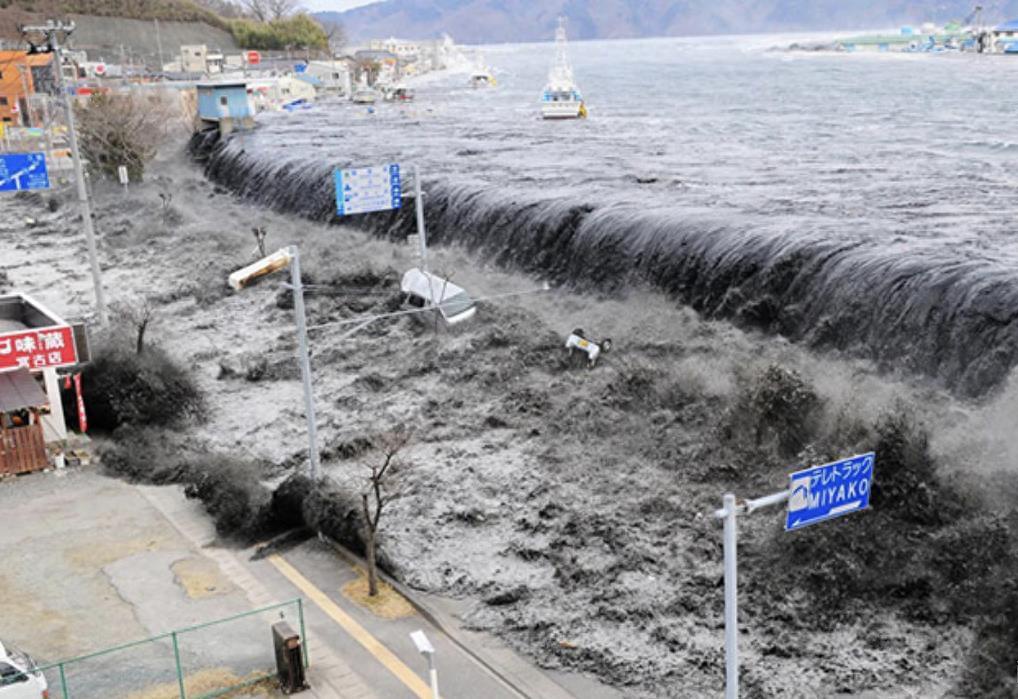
22 449
195 662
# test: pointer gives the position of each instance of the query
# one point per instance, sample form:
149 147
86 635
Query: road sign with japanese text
44 348
366 189
823 492
22 171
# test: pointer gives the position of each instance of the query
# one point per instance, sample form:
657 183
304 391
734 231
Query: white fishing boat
482 78
561 98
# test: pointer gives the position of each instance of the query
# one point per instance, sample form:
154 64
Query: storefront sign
44 348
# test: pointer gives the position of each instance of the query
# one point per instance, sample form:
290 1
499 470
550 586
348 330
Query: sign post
815 495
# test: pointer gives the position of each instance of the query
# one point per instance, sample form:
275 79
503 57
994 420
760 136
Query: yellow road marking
385 656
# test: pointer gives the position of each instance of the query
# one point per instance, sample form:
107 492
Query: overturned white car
425 289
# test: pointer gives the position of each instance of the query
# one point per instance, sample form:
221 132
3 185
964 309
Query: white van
19 678
426 289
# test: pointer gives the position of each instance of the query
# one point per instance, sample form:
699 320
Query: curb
547 689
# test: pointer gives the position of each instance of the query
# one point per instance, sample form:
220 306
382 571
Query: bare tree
127 129
382 488
282 8
256 8
136 312
335 33
259 235
268 10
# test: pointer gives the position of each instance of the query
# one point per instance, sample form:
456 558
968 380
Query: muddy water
857 203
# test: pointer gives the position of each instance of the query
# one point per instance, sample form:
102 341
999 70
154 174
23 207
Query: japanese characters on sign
823 492
38 349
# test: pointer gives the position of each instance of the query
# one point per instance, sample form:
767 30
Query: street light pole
305 361
51 29
729 512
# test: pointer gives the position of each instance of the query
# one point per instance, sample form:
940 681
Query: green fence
201 661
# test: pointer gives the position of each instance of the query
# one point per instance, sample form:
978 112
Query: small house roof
18 390
220 86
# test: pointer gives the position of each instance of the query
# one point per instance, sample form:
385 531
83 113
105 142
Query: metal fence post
180 672
303 636
63 682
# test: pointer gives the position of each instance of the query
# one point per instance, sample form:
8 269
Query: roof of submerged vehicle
453 301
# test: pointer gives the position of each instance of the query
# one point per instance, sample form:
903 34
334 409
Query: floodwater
858 204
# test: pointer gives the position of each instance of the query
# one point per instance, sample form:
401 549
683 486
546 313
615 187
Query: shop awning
19 390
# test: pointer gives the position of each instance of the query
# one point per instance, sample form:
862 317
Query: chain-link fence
195 662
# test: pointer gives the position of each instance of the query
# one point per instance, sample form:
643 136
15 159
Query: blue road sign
823 492
365 189
20 171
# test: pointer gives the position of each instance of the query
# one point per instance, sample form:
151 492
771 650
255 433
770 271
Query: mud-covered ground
573 505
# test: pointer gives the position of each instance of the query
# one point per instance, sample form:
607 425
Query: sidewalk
329 675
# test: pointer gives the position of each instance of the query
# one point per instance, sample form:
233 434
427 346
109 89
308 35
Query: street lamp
425 648
290 257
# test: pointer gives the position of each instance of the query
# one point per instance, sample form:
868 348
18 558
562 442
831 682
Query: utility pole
51 30
305 360
27 116
159 47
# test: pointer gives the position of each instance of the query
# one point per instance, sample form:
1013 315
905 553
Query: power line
412 311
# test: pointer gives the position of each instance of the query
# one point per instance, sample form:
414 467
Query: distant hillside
163 10
496 21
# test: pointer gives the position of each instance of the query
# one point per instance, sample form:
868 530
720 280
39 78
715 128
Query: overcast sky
337 5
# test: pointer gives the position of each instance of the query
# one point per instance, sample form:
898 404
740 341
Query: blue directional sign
823 492
366 189
21 171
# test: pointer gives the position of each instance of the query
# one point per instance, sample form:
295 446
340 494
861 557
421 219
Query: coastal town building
22 76
35 343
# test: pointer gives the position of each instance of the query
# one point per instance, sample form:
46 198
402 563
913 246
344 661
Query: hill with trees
256 24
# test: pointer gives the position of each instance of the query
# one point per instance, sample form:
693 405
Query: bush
122 387
777 408
230 488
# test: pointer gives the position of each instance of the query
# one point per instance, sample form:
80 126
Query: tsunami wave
912 307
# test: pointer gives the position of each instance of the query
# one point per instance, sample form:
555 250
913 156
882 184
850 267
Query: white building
333 75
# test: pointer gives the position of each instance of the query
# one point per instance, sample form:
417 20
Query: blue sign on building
823 492
366 189
21 171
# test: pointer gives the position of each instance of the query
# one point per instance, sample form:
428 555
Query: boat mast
562 70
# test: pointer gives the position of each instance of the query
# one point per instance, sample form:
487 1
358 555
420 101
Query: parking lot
90 564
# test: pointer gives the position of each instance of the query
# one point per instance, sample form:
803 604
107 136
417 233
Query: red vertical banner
82 418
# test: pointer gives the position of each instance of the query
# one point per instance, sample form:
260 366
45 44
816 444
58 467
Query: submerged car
19 676
426 289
